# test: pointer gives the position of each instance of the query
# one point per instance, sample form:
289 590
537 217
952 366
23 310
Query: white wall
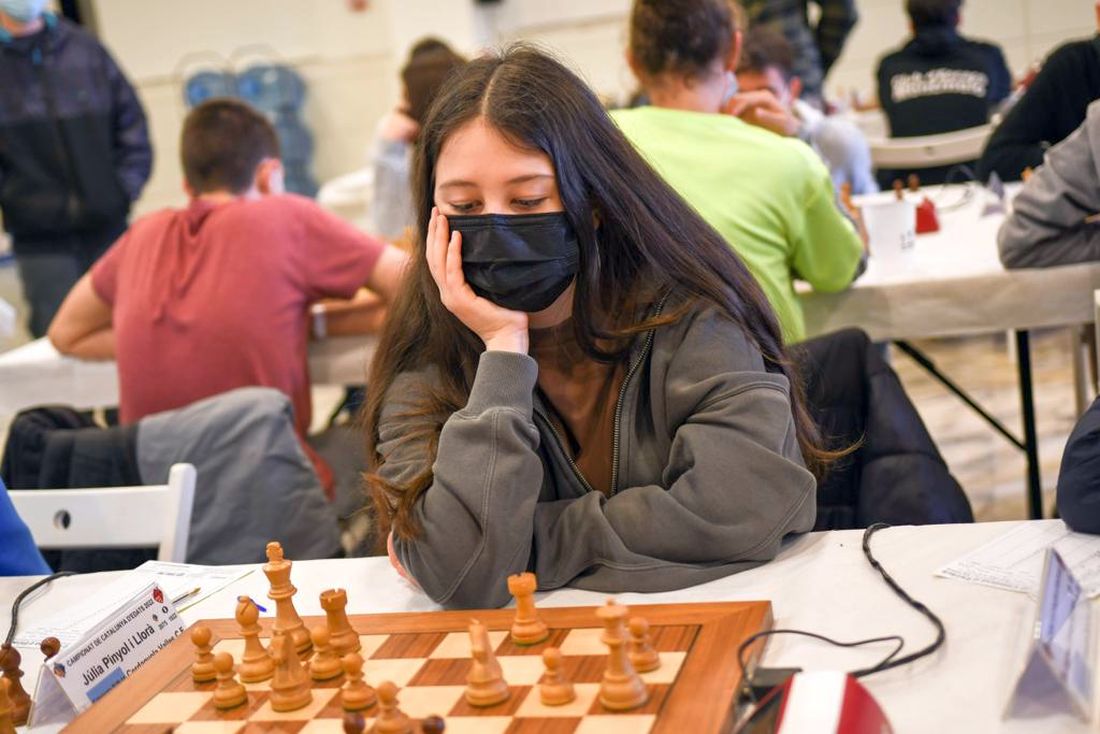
350 60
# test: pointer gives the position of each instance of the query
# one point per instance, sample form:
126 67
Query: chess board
428 656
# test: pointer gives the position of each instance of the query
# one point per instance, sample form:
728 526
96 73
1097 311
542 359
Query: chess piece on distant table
643 656
527 628
342 637
277 570
554 690
356 695
256 664
325 665
230 692
202 670
621 688
485 684
290 686
10 660
391 719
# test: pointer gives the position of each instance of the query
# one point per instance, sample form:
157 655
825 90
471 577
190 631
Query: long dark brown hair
638 242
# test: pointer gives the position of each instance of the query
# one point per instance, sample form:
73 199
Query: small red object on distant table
927 221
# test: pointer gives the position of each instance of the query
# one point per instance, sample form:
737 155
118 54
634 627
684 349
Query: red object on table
927 221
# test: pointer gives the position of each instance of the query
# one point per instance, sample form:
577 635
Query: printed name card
1058 675
83 671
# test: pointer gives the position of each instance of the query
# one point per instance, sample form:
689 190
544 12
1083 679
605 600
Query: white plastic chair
113 517
927 151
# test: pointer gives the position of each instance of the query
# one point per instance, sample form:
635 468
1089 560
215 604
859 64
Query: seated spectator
1053 217
1079 475
767 62
430 62
197 301
1052 108
939 81
817 45
18 554
769 196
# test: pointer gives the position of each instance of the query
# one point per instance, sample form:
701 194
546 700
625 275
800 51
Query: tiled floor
988 467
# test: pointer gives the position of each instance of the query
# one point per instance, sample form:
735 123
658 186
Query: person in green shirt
767 194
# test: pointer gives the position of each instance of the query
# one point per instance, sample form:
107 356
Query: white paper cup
892 231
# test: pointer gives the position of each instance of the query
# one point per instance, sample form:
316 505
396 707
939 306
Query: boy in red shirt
198 301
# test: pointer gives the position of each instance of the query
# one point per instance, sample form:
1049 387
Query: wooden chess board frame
701 699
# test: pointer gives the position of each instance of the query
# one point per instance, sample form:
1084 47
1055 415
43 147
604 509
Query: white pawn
554 690
230 692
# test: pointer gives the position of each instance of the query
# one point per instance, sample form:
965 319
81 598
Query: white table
821 583
957 286
35 374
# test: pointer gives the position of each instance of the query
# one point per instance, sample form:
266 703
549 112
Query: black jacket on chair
896 475
1079 476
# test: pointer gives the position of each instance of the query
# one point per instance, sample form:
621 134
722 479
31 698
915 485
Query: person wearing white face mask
74 151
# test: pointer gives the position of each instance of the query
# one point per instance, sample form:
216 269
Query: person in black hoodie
74 151
940 81
1053 107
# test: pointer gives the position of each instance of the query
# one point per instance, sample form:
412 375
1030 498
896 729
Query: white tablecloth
956 284
821 583
35 374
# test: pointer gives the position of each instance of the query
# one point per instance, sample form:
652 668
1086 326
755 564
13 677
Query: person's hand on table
762 109
498 327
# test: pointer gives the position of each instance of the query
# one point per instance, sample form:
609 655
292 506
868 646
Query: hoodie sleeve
477 516
1048 225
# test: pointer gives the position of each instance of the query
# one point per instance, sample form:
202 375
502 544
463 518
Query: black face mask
521 262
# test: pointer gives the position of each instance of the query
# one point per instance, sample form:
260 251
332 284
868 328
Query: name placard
1058 675
84 671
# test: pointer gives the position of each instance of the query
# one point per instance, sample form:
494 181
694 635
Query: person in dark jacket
1079 476
940 81
74 151
1052 108
817 46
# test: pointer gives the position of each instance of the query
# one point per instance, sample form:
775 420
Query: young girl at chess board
580 378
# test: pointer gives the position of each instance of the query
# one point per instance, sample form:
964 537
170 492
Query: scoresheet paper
1014 561
176 579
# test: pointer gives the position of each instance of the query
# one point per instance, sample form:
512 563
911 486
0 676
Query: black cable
23 595
887 663
941 631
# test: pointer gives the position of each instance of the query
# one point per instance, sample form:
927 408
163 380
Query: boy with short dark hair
195 302
767 62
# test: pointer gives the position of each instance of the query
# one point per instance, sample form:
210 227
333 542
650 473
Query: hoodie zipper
617 434
618 417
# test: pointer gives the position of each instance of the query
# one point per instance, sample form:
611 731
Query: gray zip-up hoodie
707 474
1048 224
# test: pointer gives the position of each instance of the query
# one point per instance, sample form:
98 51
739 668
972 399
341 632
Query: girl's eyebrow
459 183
